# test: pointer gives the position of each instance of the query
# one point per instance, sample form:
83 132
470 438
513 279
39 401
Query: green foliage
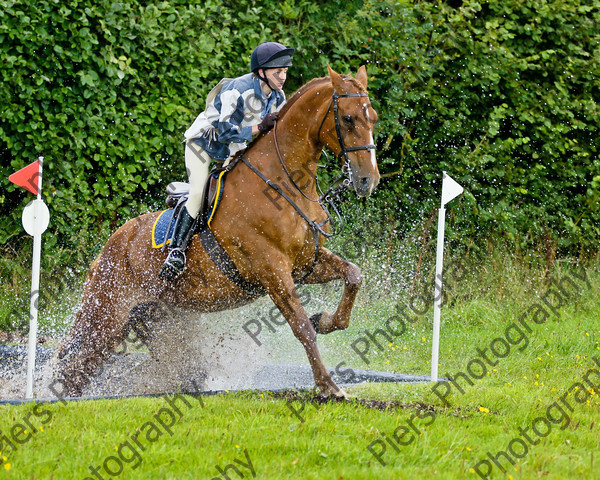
518 120
502 95
103 90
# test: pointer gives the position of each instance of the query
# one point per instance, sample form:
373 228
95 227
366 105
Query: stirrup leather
175 262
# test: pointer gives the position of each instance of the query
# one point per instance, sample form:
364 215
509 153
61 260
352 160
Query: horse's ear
362 76
336 78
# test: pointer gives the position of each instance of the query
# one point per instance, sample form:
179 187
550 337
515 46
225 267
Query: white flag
450 189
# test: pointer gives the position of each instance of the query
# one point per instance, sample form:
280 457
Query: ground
526 368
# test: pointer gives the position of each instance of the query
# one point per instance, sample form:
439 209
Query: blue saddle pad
160 235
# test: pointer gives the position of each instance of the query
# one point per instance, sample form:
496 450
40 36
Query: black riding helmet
270 55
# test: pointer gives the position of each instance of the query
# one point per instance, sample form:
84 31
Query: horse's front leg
283 292
333 267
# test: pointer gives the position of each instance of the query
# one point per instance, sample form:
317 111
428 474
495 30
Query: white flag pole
35 285
450 190
437 291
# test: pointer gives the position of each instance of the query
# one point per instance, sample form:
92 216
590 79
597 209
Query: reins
337 185
317 228
285 169
334 189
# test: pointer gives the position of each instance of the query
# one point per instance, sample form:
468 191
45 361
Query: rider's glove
268 122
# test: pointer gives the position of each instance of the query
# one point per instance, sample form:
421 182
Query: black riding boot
175 262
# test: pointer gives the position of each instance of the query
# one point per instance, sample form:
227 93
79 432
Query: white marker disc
36 217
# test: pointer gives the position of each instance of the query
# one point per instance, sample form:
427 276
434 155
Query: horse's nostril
362 186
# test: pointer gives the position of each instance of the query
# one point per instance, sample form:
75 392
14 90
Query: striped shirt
225 126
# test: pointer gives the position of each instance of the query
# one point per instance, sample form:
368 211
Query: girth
224 263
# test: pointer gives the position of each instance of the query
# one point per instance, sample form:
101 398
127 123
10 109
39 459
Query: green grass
331 442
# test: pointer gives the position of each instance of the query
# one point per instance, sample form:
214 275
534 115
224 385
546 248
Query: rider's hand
268 122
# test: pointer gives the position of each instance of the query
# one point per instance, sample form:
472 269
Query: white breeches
197 162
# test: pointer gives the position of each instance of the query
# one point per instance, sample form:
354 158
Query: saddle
177 194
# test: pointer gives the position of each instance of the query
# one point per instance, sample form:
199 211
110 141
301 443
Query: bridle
339 183
338 128
346 170
336 187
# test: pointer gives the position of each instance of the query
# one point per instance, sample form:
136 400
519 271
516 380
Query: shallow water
211 351
247 348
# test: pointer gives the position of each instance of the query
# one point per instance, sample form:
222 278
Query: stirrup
174 265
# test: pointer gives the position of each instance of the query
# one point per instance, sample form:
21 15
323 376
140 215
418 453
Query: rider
236 109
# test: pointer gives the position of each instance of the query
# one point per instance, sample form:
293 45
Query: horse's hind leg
142 319
99 326
95 335
333 267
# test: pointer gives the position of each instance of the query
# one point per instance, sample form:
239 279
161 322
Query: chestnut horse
273 234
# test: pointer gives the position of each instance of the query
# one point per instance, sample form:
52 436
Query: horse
269 223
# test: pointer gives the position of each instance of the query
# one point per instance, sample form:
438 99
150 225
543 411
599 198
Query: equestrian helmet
271 55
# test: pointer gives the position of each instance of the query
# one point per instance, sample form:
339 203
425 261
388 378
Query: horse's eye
348 119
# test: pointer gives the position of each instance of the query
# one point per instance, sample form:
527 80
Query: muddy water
211 351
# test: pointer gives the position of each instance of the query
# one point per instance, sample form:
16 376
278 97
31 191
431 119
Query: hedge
502 95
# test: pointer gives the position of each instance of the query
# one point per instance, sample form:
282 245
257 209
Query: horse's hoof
341 395
321 322
334 394
315 319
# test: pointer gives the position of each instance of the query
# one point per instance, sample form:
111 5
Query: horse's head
347 128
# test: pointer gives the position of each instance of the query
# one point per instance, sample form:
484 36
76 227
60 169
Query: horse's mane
307 86
313 83
303 89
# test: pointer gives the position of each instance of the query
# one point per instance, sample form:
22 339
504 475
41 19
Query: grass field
525 399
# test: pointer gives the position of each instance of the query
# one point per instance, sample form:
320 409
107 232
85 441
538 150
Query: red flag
28 177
